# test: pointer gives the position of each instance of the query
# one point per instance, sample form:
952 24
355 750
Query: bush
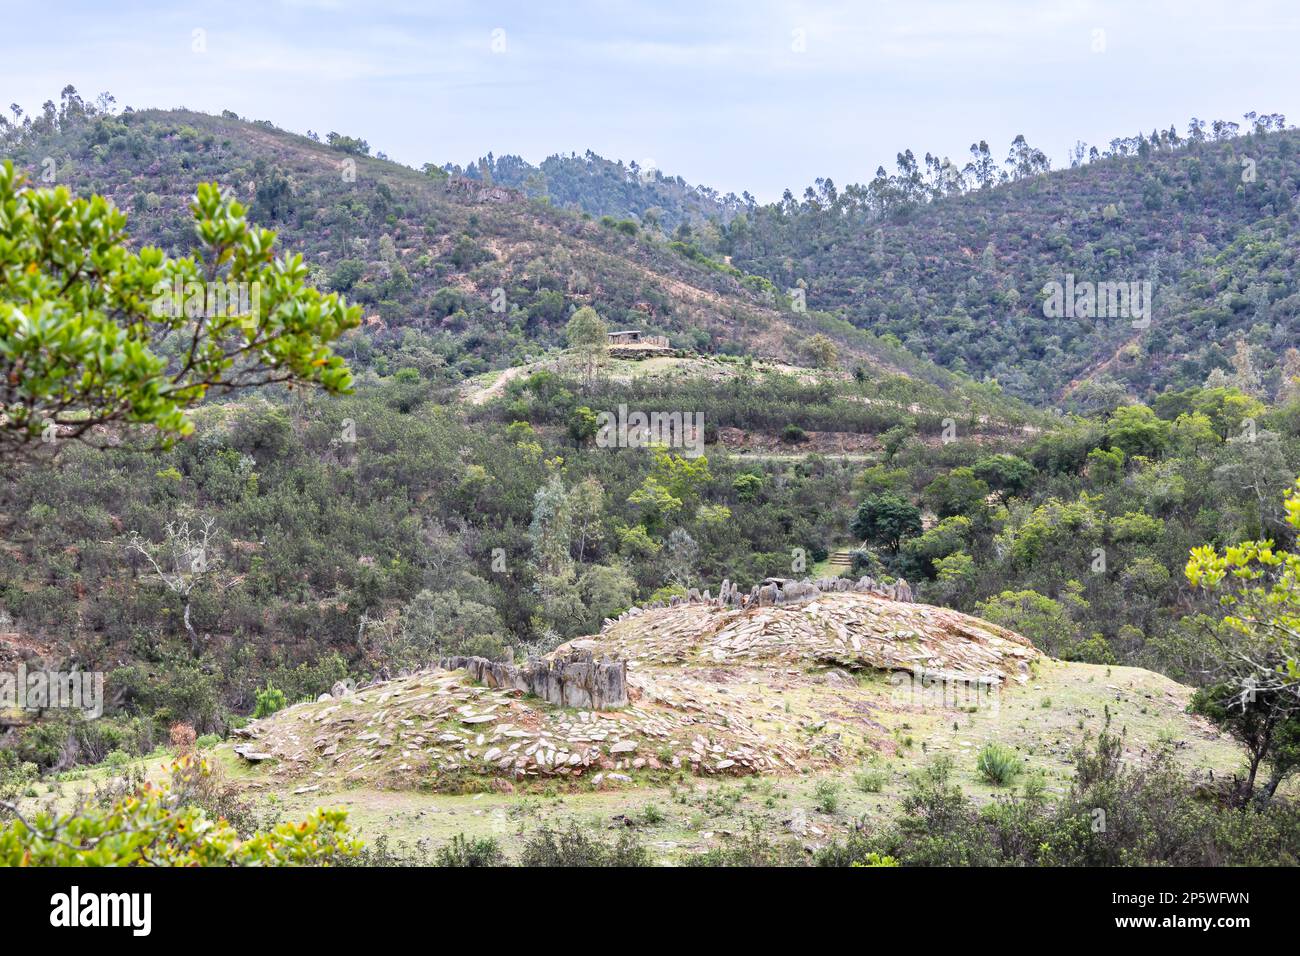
117 761
998 765
16 777
857 850
751 849
170 692
1114 815
871 781
151 827
309 681
269 700
461 851
938 827
58 742
382 852
827 794
865 561
575 847
182 736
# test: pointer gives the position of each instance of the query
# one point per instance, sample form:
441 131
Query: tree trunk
1270 788
189 628
1248 788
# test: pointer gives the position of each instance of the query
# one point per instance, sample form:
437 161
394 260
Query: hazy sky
750 95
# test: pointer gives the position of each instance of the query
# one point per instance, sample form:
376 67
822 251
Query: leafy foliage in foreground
154 826
1263 601
91 333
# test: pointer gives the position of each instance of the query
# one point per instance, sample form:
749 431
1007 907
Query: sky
759 95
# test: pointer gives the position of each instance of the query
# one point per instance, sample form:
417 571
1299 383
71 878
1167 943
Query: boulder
250 753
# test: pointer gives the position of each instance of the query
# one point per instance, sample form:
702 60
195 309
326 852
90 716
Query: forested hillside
1209 222
455 276
951 259
604 187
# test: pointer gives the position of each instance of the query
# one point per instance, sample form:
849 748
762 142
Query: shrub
269 700
827 794
182 736
1114 815
575 847
60 741
16 777
751 849
462 851
871 781
938 827
857 850
171 692
998 765
865 561
117 760
382 852
309 681
149 827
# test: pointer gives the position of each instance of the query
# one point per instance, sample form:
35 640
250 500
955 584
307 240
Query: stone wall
574 678
781 591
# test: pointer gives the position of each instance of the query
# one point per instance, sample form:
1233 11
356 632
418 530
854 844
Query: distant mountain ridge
456 276
954 262
603 187
929 271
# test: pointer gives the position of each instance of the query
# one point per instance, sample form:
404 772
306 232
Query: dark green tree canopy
93 334
886 519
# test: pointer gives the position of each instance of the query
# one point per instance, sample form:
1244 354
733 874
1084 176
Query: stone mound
707 692
849 629
437 727
575 678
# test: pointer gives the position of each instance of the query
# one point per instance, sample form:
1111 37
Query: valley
939 565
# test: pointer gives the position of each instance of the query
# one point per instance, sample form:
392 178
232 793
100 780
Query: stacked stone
438 721
777 591
574 678
850 629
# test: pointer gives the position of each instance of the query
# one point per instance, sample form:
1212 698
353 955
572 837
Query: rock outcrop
575 678
840 627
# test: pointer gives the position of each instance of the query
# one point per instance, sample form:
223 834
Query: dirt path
484 395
